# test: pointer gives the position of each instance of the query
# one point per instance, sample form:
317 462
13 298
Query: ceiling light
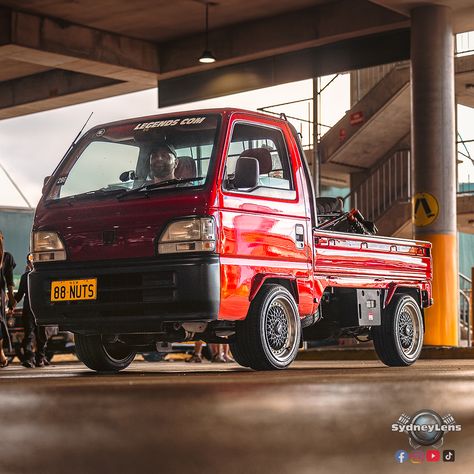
207 57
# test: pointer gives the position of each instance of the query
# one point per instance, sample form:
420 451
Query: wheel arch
287 281
413 291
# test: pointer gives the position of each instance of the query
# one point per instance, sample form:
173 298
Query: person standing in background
28 319
32 330
7 264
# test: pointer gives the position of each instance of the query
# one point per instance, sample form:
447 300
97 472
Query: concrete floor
318 416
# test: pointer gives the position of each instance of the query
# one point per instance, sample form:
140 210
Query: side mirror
247 172
127 176
45 182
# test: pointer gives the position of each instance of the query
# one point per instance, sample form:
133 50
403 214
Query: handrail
388 183
465 306
465 278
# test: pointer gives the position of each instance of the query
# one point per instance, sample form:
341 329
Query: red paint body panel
256 235
344 256
136 222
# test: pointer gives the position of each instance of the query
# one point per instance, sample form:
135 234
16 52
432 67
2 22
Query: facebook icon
401 456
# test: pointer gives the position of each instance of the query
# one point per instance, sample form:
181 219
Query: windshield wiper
89 194
149 187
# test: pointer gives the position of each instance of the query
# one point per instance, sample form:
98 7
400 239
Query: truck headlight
189 235
47 246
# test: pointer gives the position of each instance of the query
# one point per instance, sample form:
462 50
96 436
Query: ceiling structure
55 53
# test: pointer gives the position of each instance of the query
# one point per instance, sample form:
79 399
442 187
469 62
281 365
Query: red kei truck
229 249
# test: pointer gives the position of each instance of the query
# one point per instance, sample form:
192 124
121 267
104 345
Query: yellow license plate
74 290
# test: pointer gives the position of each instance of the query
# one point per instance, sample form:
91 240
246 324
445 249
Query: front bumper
133 296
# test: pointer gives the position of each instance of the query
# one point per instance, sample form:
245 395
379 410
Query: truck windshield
176 152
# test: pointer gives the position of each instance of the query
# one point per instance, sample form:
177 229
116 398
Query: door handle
299 233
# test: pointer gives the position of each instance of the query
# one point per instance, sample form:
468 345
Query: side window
267 146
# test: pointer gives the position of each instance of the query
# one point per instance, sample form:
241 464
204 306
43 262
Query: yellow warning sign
425 209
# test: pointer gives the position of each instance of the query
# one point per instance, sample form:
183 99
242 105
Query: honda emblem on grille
109 237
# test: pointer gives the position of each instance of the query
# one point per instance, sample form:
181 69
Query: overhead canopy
54 54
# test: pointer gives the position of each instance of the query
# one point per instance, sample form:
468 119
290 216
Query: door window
267 146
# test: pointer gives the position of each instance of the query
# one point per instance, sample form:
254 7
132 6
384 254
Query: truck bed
340 256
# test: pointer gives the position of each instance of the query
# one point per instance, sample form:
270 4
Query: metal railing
465 318
301 114
390 182
465 166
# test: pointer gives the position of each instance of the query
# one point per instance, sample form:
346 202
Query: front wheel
101 356
399 339
268 339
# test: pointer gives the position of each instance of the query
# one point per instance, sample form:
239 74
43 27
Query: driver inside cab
163 163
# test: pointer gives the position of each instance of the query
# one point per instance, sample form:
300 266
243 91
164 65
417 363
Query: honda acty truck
229 249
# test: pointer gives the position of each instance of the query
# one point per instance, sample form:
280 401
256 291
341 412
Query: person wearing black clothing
7 264
32 330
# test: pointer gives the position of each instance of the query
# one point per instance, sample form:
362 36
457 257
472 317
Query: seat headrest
186 168
263 157
329 205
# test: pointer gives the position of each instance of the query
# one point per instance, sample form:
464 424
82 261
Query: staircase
373 126
384 195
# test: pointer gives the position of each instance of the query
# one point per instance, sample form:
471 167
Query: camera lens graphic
429 419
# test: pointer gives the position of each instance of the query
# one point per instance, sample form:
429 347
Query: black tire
268 339
238 352
399 339
102 357
49 356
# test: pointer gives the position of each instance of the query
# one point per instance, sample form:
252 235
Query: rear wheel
101 356
399 339
268 339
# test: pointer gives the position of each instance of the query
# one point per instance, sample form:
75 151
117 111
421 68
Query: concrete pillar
433 147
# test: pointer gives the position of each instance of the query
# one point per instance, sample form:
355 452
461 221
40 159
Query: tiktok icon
449 455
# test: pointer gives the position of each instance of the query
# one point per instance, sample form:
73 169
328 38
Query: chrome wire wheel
269 338
280 328
408 330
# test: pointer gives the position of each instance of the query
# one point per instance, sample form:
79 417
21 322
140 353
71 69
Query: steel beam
310 27
56 88
279 69
60 44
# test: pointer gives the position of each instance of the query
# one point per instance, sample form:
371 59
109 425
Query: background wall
16 226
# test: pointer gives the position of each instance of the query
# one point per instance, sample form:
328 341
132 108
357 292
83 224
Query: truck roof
222 111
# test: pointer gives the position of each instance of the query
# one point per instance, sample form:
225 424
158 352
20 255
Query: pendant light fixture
207 57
